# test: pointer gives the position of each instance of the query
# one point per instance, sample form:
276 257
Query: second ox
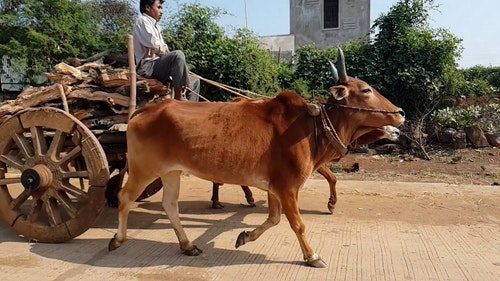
273 145
386 132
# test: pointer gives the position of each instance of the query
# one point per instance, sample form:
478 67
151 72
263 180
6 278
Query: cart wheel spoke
76 174
12 160
34 213
56 144
39 142
9 181
24 145
53 212
19 200
74 191
66 203
75 152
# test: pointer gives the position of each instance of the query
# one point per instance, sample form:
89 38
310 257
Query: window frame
332 18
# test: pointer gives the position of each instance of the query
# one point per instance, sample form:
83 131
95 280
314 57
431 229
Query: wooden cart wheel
53 172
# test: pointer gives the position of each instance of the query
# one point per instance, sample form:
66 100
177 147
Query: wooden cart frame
54 170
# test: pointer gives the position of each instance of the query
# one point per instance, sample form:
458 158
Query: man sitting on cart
153 59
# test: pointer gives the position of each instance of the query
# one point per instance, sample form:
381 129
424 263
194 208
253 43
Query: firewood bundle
95 92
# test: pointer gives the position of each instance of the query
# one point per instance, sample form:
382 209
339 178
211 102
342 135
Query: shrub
491 76
487 117
238 61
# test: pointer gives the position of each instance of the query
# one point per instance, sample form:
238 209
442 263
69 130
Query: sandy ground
379 231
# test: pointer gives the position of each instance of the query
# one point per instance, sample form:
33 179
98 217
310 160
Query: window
330 13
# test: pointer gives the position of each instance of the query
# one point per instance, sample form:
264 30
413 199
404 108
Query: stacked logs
95 92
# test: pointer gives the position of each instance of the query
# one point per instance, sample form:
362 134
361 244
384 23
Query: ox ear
339 92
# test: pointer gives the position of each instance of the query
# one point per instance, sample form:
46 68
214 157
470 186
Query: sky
475 22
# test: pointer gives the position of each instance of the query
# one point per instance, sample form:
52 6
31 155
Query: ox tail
114 186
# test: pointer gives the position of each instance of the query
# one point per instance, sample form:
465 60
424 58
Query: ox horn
342 72
335 73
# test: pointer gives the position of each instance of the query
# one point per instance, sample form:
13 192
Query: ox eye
366 91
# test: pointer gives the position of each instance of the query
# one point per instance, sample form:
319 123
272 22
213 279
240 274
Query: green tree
236 61
482 75
193 27
412 59
39 34
312 74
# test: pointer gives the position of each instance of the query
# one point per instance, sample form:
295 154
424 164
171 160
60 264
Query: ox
386 132
273 144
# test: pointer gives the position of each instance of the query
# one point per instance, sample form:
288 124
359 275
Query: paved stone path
379 231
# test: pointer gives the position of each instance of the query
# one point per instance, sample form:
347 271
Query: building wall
306 26
284 42
10 80
281 46
306 22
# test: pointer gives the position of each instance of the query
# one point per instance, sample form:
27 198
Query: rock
493 139
354 168
386 148
446 135
360 149
371 152
476 136
459 139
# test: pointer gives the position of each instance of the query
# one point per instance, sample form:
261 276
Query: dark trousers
172 68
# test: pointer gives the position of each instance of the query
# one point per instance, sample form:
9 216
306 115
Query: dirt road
379 231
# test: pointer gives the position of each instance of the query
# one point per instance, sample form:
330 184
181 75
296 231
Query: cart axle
34 178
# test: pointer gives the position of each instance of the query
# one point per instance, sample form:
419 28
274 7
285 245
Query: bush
237 61
413 58
490 76
312 70
487 117
40 34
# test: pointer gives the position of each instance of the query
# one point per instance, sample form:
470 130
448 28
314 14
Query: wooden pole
63 97
133 82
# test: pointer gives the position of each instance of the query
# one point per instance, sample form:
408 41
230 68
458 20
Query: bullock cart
55 160
59 145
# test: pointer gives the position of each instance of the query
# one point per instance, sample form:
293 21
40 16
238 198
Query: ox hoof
114 244
317 262
250 204
241 239
331 208
217 205
193 251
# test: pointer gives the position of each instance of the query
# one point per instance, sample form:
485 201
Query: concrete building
10 80
323 23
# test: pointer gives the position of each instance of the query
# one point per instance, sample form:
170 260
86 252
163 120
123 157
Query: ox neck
331 133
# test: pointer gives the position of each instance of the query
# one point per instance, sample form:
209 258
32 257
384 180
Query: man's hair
144 3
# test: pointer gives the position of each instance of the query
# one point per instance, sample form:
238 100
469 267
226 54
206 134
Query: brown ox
386 132
273 145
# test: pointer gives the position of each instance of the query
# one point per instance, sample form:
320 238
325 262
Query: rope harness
330 131
225 87
328 128
363 109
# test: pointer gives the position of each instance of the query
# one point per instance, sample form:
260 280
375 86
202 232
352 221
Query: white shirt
148 44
